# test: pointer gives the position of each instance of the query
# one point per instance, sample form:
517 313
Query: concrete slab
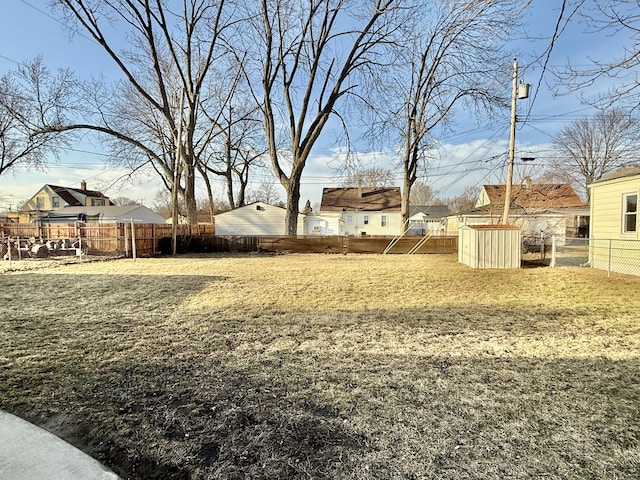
28 452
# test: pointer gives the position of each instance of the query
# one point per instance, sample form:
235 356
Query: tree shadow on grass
294 395
388 416
184 420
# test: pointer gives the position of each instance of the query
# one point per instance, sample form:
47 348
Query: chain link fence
569 252
612 255
620 256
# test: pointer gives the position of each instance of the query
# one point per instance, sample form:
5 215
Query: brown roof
537 195
496 226
361 198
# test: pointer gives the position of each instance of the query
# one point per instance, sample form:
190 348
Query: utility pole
512 145
516 93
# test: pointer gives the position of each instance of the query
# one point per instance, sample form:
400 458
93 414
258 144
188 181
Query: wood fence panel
151 239
341 244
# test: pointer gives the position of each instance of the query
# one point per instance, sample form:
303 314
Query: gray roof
434 212
117 212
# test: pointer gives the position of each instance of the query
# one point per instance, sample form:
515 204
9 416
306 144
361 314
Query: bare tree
592 147
451 57
266 192
240 150
465 201
421 193
369 177
125 201
619 18
311 56
166 68
31 97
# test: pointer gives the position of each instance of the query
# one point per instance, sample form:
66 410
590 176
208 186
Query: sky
472 154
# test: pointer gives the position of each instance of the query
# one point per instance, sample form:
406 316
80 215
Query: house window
39 202
55 202
630 213
349 219
97 202
383 221
366 219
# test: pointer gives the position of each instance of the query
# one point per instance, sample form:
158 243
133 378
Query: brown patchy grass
328 366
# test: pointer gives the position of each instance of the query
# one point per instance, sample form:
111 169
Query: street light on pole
522 92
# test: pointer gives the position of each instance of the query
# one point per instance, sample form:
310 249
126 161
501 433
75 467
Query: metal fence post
609 261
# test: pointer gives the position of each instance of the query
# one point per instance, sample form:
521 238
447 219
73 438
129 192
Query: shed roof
537 195
499 226
361 198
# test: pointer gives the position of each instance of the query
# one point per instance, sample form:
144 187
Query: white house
255 220
614 236
318 225
427 219
362 211
540 210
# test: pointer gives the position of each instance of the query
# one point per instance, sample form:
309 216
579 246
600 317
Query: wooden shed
490 246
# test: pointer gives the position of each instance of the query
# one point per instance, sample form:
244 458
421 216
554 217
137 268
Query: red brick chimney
83 185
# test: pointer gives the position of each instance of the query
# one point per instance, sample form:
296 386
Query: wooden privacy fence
346 244
316 244
150 239
105 238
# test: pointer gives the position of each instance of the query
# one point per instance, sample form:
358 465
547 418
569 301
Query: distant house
102 214
540 210
319 225
427 219
361 211
52 197
256 219
614 233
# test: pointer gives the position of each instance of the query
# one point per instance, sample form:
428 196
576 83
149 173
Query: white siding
489 247
255 220
374 226
316 225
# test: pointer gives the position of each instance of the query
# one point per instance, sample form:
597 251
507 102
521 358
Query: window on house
383 221
349 219
55 202
630 213
40 202
97 202
366 219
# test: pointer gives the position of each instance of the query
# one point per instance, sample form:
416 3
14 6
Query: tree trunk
292 207
406 191
190 195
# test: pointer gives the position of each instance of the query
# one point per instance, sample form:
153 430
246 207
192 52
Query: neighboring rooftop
625 172
361 198
430 211
67 193
528 196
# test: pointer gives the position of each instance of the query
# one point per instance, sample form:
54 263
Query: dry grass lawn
328 366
